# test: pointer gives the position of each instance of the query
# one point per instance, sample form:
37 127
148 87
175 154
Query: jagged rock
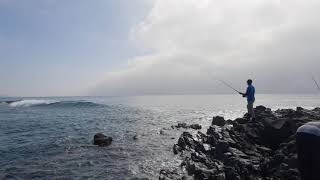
246 150
221 148
102 140
276 131
168 174
220 176
242 120
176 149
299 109
218 121
186 140
260 108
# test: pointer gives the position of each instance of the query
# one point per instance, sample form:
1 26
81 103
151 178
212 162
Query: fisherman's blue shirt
250 93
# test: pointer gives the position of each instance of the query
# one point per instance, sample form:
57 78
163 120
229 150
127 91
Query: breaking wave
52 103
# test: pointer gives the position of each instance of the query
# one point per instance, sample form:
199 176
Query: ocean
52 137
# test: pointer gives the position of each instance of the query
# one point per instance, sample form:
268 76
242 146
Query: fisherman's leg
248 109
304 146
253 115
316 158
251 110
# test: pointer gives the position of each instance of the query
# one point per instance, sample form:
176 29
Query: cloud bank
191 44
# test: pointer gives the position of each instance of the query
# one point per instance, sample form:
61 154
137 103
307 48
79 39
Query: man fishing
250 99
249 95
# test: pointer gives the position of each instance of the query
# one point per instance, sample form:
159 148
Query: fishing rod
230 86
315 82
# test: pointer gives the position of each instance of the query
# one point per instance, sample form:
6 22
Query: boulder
260 108
241 120
162 132
102 140
195 126
277 131
218 121
135 137
186 126
176 149
299 109
181 125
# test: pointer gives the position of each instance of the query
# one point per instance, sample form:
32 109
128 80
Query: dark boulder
135 137
218 121
241 120
300 109
276 131
176 149
260 108
195 126
186 126
102 140
162 132
181 125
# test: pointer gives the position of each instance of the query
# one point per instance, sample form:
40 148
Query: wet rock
168 174
102 140
221 148
195 126
186 178
245 150
176 149
162 132
242 120
231 174
260 108
218 121
135 137
275 131
186 141
206 147
220 176
181 125
185 126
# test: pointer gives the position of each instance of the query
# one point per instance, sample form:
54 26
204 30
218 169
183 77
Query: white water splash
31 102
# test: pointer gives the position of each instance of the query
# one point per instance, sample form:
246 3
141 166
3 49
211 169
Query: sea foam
32 102
52 103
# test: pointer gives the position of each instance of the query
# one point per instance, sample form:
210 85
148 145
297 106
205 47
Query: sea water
51 138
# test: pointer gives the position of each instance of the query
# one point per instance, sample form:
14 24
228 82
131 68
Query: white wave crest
31 102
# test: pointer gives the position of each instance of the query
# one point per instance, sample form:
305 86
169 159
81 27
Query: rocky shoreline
242 149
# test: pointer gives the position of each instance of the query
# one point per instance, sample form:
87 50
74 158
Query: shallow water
51 138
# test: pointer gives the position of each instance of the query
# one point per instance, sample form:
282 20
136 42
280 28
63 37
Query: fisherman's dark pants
308 147
251 109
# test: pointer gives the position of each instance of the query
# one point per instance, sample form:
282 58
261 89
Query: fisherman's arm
245 94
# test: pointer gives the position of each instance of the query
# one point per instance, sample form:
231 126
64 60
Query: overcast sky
135 47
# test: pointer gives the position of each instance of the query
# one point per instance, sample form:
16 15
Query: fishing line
315 82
